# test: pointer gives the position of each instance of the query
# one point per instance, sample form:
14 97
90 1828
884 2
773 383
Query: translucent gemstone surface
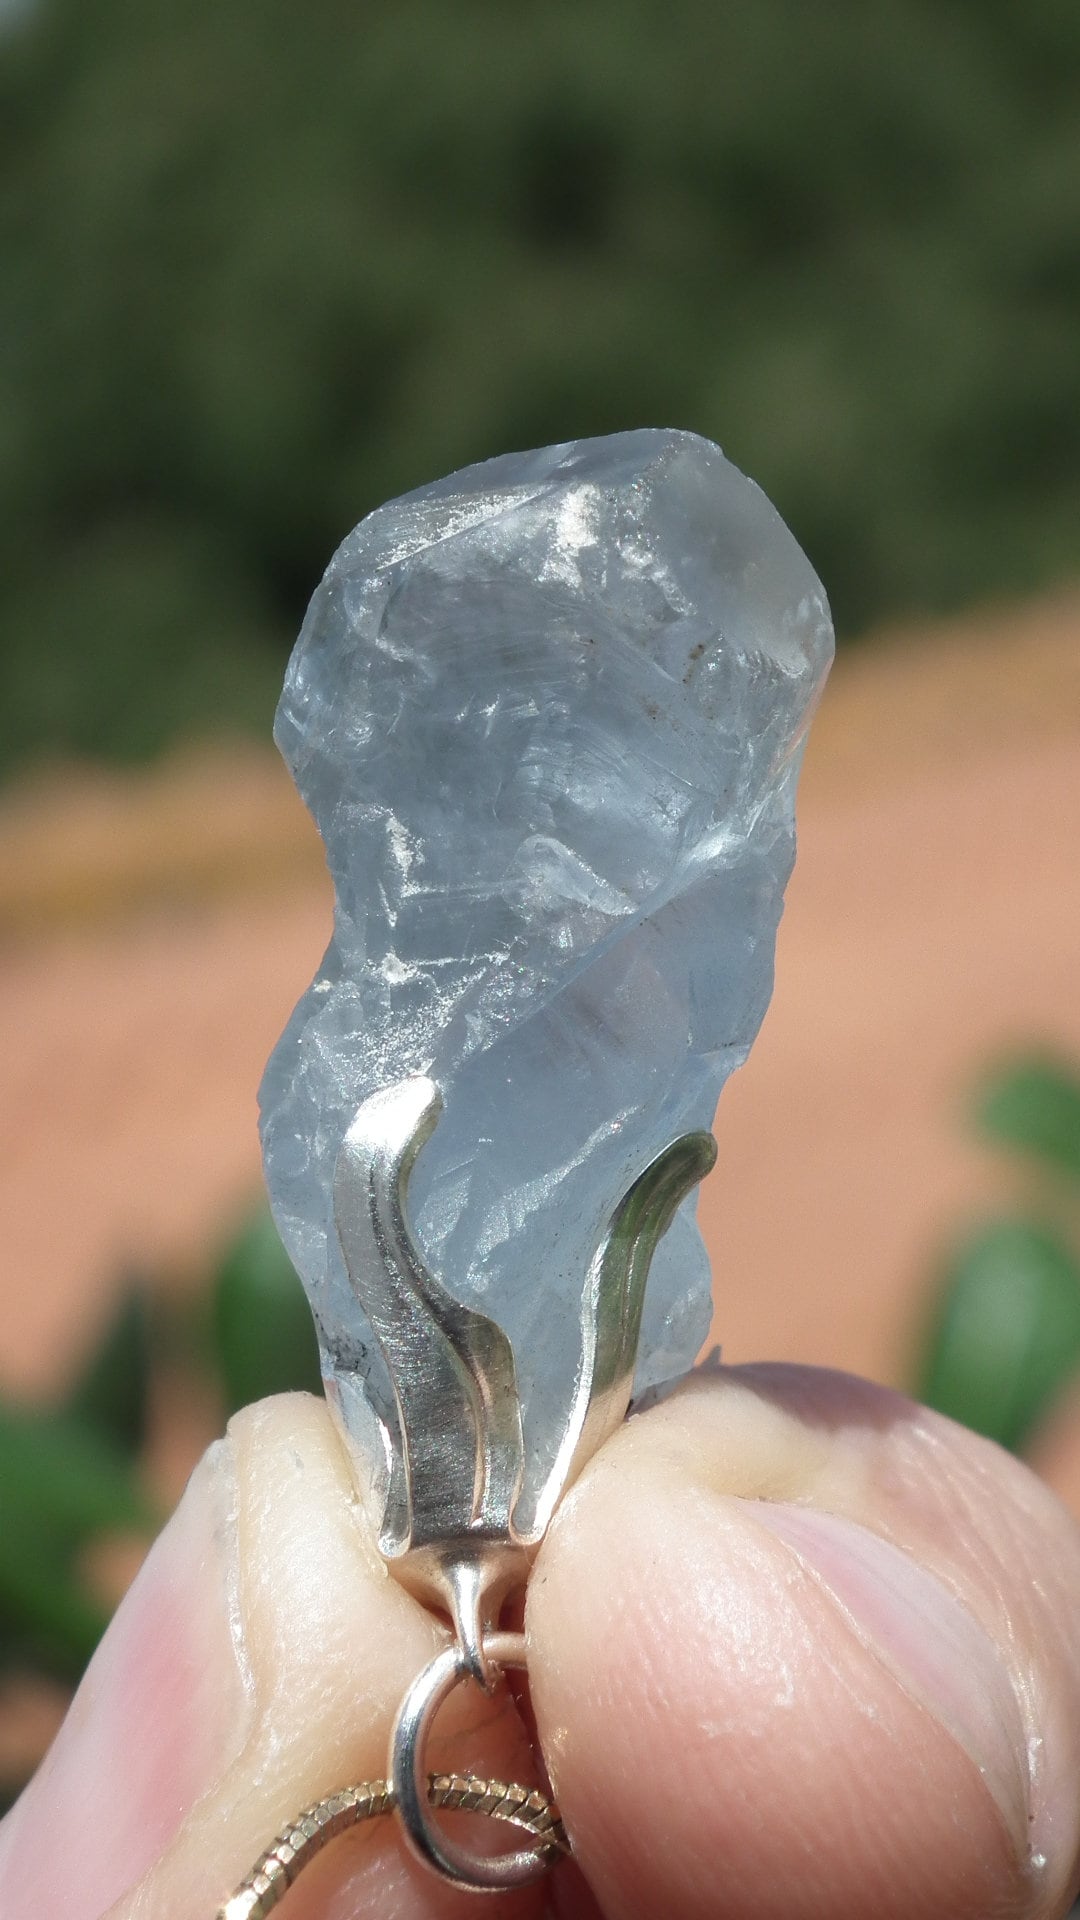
547 714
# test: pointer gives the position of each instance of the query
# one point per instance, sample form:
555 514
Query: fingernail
162 1711
926 1637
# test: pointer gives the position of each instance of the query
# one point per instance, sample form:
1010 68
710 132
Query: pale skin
797 1648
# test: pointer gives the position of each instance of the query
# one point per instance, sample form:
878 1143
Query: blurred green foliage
265 265
1033 1107
61 1485
1005 1335
111 1397
265 1336
71 1473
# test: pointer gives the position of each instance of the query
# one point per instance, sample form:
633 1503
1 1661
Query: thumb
800 1647
255 1666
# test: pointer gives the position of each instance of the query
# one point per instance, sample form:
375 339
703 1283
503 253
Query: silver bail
449 1529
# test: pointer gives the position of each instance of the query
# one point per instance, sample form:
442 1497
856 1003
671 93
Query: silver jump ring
409 1777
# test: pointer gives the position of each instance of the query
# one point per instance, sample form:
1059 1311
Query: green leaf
111 1395
1006 1337
68 1481
1034 1105
265 1335
46 1615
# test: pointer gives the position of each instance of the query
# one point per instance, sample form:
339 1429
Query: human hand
797 1648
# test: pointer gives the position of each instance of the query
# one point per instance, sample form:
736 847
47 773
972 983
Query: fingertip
327 1643
722 1732
163 1708
253 1666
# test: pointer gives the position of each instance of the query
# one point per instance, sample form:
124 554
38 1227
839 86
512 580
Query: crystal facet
547 714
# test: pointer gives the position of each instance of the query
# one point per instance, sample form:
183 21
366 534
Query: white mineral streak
547 714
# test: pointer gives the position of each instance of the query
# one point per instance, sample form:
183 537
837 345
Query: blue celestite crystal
547 714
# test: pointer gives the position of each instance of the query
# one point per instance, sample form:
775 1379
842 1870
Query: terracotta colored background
158 927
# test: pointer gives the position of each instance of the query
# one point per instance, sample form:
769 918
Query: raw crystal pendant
547 714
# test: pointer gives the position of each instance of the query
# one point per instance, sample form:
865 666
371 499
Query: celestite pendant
548 716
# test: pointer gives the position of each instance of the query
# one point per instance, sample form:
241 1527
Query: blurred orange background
257 281
160 925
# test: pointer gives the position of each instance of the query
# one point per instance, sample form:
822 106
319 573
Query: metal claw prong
453 1528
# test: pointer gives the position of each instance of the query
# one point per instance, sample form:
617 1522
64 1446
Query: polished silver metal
452 1526
408 1773
292 1850
456 1464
